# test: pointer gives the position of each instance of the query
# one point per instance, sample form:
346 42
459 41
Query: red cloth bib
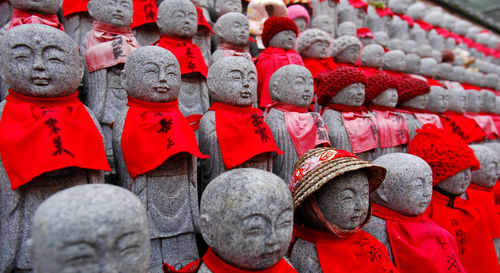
424 25
466 128
316 65
384 11
74 6
406 18
21 17
216 265
466 222
392 128
202 22
145 12
270 60
187 53
496 121
155 131
467 86
395 74
242 133
359 4
484 197
109 45
39 135
432 82
424 116
456 37
191 267
359 252
485 121
442 31
418 244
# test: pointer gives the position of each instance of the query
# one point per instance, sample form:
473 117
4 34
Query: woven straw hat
318 166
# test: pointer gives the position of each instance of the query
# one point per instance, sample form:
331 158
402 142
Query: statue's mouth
245 94
161 89
40 81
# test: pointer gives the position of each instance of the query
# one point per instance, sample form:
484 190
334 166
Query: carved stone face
461 27
456 184
445 71
113 12
352 95
325 23
488 101
434 18
346 28
387 98
43 6
438 100
292 84
318 49
88 229
475 101
246 217
225 6
285 39
409 46
344 201
418 102
424 51
458 100
301 23
458 74
40 61
233 80
381 38
395 60
413 62
487 175
497 105
491 80
348 55
428 67
233 28
177 18
372 56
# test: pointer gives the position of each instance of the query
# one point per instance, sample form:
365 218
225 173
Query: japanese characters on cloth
270 60
74 6
191 267
145 12
425 117
418 244
317 65
39 135
21 17
242 133
360 126
358 252
466 128
187 53
485 121
485 199
217 265
392 127
109 45
155 131
466 221
307 130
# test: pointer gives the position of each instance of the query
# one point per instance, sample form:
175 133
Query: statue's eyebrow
21 46
89 244
52 47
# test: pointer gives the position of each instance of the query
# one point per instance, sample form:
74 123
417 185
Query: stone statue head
495 147
313 43
233 81
246 217
437 55
407 188
43 6
449 21
472 32
409 46
438 100
424 51
372 56
488 99
435 18
90 228
177 18
40 61
232 28
381 38
461 27
417 10
487 175
497 105
381 89
388 98
491 80
418 35
325 23
457 100
458 73
478 79
399 6
445 71
117 12
412 63
284 39
483 38
292 84
225 6
428 67
352 95
456 184
346 49
418 102
436 41
299 15
395 44
475 101
152 74
395 60
346 28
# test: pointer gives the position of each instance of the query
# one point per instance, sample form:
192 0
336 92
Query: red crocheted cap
274 24
329 83
377 84
447 154
409 88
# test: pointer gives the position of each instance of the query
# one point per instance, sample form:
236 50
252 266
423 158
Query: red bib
418 244
466 128
406 18
155 131
74 6
485 121
484 197
432 82
359 4
188 54
384 11
39 135
242 133
395 74
270 60
467 86
424 116
21 17
442 31
359 252
216 265
316 65
202 22
392 128
424 25
145 12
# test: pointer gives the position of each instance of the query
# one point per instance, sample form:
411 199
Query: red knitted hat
329 83
377 84
447 154
409 88
274 24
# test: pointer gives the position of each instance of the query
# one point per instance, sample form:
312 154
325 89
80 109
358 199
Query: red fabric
316 65
418 244
364 32
456 37
409 88
466 128
369 71
39 135
485 199
442 31
467 86
496 194
155 131
191 267
194 121
360 252
432 82
202 22
270 60
242 133
145 12
468 41
377 84
217 265
392 128
21 17
395 74
109 45
359 4
485 121
384 11
406 18
424 25
74 6
496 121
425 118
187 53
275 24
466 222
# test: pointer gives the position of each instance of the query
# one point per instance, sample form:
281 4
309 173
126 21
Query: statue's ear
90 9
382 193
123 79
273 89
204 227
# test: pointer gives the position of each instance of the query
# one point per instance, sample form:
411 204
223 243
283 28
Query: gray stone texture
394 60
487 175
372 56
345 49
438 100
232 30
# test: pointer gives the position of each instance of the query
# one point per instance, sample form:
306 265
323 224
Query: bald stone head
395 60
488 101
399 6
325 23
495 147
417 10
458 73
90 228
232 28
434 18
246 217
233 81
177 18
395 43
409 46
226 6
292 84
424 51
40 61
37 6
457 100
445 71
438 100
372 56
381 38
117 12
491 80
428 67
412 63
313 43
487 175
461 27
475 101
347 28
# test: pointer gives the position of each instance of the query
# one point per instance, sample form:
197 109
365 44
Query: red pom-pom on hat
274 24
409 88
328 83
377 84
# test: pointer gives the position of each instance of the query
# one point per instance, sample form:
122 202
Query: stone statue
246 219
42 120
429 68
232 32
300 16
232 82
345 50
395 44
474 101
381 38
203 36
76 19
294 129
313 45
258 11
7 14
90 228
347 12
438 100
226 6
424 50
484 118
347 28
378 17
413 62
415 242
394 63
372 59
325 23
400 24
167 184
409 46
417 10
324 9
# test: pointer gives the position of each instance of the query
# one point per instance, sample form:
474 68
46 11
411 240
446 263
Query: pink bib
425 118
392 129
362 131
